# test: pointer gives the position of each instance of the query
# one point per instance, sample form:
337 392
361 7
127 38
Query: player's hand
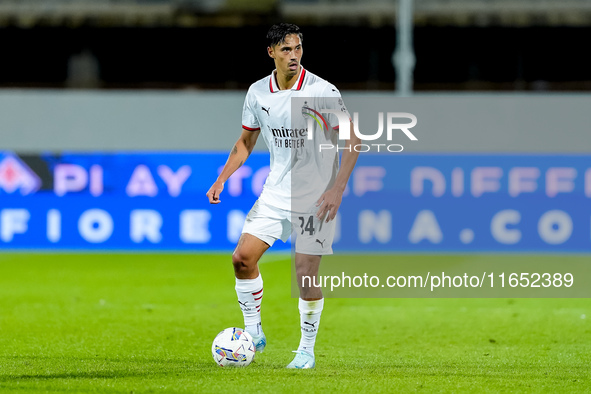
214 192
329 203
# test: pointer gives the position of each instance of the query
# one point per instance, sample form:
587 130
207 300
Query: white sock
310 312
250 296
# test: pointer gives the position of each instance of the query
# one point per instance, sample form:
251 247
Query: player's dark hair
278 32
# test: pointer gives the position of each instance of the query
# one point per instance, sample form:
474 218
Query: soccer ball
233 347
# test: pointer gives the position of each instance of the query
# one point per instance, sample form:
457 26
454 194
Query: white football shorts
268 223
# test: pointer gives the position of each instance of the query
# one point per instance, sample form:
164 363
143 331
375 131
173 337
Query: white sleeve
249 117
333 100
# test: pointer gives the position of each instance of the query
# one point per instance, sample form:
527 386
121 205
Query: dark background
540 58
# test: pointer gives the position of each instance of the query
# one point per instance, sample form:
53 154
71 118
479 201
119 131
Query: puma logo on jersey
266 110
321 243
311 324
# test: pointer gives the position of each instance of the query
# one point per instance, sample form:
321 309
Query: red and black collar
274 86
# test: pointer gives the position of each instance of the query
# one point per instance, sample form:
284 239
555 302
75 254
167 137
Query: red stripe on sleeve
250 128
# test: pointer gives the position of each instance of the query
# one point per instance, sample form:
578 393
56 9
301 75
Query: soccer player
297 167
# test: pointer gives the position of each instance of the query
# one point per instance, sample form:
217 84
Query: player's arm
330 201
240 152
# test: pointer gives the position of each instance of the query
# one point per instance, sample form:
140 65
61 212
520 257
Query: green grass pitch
145 322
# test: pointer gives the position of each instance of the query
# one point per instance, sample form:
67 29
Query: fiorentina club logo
16 175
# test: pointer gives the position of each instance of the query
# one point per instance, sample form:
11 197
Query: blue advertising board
394 202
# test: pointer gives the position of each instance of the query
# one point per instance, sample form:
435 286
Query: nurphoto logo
345 130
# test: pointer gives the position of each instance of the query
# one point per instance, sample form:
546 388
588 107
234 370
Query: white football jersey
300 170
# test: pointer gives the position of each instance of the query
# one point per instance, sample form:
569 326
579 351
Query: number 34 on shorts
268 223
313 236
